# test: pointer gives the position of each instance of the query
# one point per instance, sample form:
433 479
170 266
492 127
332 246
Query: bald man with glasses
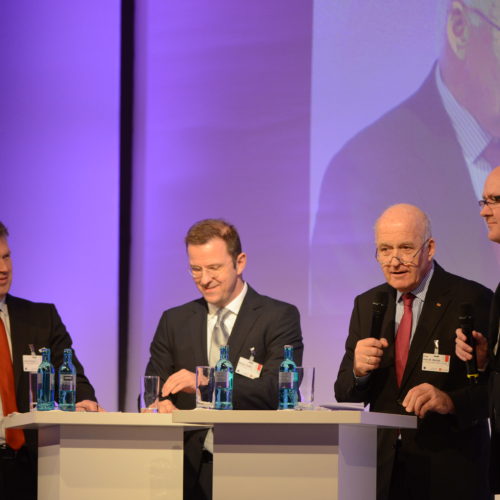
411 367
487 347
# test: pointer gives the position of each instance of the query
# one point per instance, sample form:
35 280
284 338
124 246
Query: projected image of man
434 150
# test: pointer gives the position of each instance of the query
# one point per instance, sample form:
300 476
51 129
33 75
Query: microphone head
381 298
465 310
379 303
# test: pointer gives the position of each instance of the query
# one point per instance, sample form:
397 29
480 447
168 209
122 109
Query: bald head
406 216
491 212
493 175
405 247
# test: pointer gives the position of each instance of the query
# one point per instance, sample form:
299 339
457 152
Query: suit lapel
19 335
435 305
388 327
389 318
494 326
247 316
198 330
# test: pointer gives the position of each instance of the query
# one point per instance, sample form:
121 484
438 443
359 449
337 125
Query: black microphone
466 323
379 305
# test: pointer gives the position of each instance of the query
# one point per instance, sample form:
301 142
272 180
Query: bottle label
286 377
67 382
221 377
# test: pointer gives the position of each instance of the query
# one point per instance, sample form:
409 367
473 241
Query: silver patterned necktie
220 335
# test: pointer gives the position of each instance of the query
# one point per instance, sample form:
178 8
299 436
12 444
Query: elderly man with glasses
486 347
409 367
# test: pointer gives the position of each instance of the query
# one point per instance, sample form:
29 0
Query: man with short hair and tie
229 312
26 327
411 369
487 347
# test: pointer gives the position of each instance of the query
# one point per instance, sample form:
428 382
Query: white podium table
294 454
103 456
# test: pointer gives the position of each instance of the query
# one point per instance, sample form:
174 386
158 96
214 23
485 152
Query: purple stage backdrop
222 130
59 131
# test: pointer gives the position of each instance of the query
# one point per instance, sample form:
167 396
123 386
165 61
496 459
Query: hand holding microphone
369 351
471 346
465 352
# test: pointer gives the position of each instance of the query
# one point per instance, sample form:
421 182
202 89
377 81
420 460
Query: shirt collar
471 137
421 290
234 306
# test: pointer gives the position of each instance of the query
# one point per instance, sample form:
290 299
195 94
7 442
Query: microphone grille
466 309
381 299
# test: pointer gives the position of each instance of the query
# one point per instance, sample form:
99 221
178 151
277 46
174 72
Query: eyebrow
408 243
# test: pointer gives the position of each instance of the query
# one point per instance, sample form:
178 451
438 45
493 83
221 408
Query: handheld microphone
466 323
379 305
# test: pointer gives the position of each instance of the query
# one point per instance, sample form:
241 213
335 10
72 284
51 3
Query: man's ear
431 247
458 29
241 262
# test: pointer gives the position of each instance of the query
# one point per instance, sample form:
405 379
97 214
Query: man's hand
464 350
425 397
88 405
181 381
166 406
368 354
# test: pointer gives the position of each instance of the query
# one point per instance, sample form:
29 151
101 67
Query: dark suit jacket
40 325
448 454
410 155
495 393
264 323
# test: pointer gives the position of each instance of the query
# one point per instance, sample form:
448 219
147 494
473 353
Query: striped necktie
220 335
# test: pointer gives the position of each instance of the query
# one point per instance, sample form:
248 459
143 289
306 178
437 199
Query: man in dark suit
253 323
431 150
487 352
25 327
411 369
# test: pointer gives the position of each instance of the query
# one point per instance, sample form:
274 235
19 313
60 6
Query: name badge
31 363
248 368
436 362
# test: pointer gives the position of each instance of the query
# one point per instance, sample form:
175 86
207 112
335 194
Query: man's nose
205 277
395 260
485 211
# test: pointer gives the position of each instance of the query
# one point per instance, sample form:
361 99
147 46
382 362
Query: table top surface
37 419
354 417
199 418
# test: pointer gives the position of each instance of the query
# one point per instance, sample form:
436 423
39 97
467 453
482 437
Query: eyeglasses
385 255
213 271
493 201
485 18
